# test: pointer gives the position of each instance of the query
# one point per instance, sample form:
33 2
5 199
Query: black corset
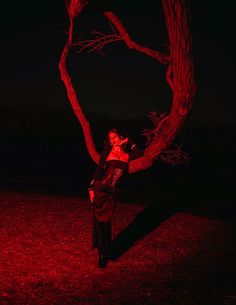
115 169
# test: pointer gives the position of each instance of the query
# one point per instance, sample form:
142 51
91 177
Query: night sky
38 129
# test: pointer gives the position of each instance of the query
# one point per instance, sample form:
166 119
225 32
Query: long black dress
103 184
104 204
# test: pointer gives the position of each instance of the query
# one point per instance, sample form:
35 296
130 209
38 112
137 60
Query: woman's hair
127 146
107 140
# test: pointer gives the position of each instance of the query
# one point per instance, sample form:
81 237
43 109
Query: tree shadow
157 212
144 223
219 210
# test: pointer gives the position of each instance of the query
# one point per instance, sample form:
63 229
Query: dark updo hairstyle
133 153
107 144
107 140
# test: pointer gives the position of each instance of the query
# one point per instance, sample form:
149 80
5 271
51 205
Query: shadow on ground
145 222
163 255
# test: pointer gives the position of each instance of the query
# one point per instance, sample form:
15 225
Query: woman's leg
107 239
94 234
103 231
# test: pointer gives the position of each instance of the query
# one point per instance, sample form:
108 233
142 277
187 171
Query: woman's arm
98 173
134 150
91 194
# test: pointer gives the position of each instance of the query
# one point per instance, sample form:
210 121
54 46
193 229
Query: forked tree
179 76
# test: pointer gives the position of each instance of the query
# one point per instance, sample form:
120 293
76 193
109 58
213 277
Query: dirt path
163 257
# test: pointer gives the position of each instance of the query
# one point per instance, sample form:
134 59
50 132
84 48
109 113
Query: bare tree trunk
74 8
179 75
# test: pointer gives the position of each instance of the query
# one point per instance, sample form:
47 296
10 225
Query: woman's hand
91 196
124 141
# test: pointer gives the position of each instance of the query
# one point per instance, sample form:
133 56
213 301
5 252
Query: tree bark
71 93
179 75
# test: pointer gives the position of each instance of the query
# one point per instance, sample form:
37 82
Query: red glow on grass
46 255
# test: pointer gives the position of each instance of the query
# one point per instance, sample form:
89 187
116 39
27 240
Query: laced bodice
114 170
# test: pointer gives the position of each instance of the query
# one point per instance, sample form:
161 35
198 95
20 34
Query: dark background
41 142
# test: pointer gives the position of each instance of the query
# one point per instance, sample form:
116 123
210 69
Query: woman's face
114 138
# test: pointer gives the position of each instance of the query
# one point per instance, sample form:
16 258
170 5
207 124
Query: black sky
38 130
33 37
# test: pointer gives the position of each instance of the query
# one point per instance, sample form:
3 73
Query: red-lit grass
46 256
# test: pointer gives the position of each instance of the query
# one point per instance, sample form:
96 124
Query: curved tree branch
161 57
71 93
179 75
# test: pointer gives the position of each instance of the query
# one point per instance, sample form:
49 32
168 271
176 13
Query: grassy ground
163 256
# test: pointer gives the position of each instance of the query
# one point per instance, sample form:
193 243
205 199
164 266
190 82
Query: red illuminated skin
116 152
91 196
116 140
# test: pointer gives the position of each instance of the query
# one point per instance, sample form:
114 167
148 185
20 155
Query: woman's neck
117 148
117 153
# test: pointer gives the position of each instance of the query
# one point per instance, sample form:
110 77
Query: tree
179 74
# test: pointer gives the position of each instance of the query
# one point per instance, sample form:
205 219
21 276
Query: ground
161 254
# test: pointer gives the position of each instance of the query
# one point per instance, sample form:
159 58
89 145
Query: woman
112 165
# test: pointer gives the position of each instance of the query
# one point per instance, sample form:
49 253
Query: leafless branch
175 156
98 43
157 122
